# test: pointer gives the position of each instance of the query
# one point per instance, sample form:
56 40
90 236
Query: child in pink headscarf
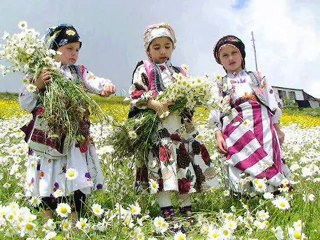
249 135
177 162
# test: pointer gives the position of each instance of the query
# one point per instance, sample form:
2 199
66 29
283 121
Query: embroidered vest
155 83
257 85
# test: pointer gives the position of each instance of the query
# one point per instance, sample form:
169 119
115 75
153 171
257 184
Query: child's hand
108 89
221 143
161 108
280 134
43 79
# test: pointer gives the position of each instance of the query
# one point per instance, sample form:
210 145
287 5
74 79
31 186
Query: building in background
298 96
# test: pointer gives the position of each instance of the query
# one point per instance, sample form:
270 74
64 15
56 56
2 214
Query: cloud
286 34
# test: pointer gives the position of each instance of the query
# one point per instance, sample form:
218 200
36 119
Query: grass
119 176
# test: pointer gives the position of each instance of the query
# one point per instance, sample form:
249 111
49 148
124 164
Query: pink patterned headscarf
158 30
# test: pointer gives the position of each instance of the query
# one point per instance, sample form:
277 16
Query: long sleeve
28 100
215 114
214 120
139 90
271 99
93 83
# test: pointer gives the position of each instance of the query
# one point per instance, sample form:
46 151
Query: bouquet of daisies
136 135
187 93
27 53
216 101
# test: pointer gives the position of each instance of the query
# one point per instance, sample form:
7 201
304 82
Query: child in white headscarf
177 162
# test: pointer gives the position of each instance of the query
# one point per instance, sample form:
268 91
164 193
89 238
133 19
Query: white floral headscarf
158 30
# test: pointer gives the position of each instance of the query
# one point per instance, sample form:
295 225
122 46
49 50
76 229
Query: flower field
117 213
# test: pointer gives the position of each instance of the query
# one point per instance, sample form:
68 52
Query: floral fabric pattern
178 161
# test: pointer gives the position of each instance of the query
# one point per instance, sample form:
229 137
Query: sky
286 33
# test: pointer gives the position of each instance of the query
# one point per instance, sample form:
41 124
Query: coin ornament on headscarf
61 35
70 32
228 40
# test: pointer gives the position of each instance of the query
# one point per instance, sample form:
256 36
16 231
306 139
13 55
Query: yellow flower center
29 227
64 210
297 235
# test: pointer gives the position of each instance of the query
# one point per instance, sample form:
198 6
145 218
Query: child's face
70 53
231 59
160 49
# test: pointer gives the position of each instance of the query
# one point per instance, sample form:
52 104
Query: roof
297 89
305 95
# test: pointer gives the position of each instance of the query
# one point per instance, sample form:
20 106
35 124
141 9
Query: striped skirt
252 144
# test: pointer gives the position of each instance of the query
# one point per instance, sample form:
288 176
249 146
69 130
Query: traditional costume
50 157
253 147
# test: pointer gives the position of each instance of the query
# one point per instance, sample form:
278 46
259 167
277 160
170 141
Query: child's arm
108 89
216 125
28 100
43 79
97 85
159 107
273 105
221 143
280 133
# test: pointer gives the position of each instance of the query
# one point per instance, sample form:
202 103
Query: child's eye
156 48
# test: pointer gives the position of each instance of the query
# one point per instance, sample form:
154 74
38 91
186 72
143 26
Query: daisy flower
30 227
268 195
309 197
66 225
82 224
180 236
135 209
259 185
214 234
278 233
50 235
31 88
132 134
160 224
154 186
35 201
97 210
295 234
185 67
281 203
63 210
23 25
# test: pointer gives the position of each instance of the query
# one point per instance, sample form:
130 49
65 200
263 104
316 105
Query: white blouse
239 85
